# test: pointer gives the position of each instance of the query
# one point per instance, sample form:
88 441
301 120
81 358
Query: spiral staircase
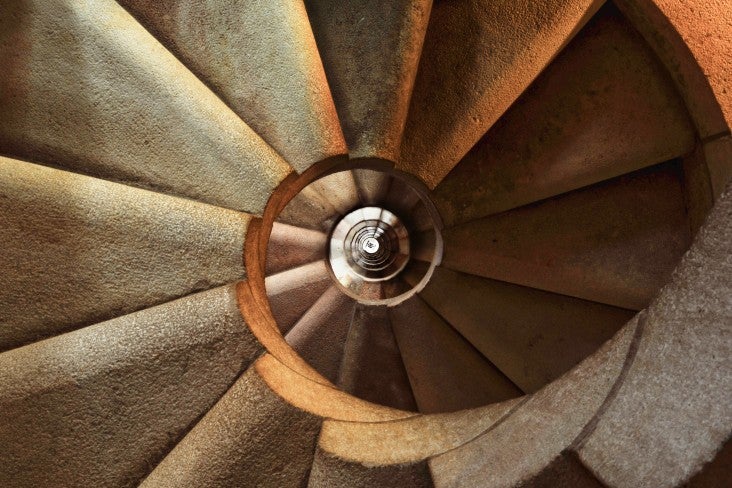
365 243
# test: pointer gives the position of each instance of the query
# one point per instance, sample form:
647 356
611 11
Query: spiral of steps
365 243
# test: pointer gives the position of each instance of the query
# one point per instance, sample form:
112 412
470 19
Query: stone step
603 108
98 94
478 57
445 371
372 366
102 405
78 250
372 186
290 247
615 242
532 336
370 50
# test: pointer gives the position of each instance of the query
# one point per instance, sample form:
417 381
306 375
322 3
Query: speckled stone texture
370 49
102 405
86 87
251 437
672 412
478 56
604 107
290 247
78 250
329 471
261 58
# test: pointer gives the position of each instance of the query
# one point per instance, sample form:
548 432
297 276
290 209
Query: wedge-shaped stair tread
100 406
78 250
445 371
478 56
372 366
261 58
251 437
292 292
308 209
532 336
291 246
616 242
372 186
371 49
603 108
88 88
339 189
320 335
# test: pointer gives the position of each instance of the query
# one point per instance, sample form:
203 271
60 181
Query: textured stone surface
291 293
251 437
445 371
672 412
565 470
616 242
86 87
372 185
308 209
77 250
532 336
320 335
261 58
715 473
339 189
372 366
718 154
291 246
100 406
603 108
535 434
370 49
478 56
329 471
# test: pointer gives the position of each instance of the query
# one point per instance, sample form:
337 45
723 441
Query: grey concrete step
445 371
251 437
98 94
478 56
531 336
290 247
79 250
372 366
603 108
615 242
320 335
370 50
261 59
102 405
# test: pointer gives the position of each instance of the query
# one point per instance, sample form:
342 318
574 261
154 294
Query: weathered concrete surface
86 87
520 447
615 242
371 49
672 412
100 406
478 57
260 57
372 366
320 335
291 293
445 371
78 250
291 246
251 437
329 471
603 108
532 336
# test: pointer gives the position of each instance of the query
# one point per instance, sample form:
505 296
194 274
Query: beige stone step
78 250
308 209
496 50
98 94
370 50
291 293
320 334
290 247
445 371
251 437
532 336
603 108
339 189
102 405
372 366
372 186
615 242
